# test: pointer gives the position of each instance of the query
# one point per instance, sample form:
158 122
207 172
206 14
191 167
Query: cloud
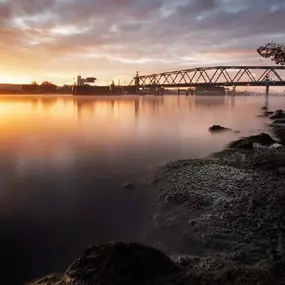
111 37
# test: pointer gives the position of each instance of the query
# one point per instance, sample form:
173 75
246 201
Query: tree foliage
47 83
275 52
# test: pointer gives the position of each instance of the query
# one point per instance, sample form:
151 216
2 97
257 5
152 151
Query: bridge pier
267 90
137 82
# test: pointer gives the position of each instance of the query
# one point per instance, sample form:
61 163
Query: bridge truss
215 76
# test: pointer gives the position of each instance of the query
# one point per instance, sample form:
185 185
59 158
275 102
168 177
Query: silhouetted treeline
46 87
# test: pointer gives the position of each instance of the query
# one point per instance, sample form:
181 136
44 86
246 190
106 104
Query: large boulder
218 128
247 143
119 263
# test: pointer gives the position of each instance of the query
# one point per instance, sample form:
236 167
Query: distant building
81 81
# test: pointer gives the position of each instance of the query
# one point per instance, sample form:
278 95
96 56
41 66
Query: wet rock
268 113
129 185
279 114
263 139
279 121
281 170
247 143
52 279
262 115
279 132
187 261
242 143
120 263
218 128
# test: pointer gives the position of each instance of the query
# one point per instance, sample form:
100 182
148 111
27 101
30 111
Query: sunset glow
56 40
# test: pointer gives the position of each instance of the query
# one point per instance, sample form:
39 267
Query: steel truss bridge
214 76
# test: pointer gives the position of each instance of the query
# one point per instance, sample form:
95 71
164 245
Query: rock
218 128
263 139
247 143
129 185
279 132
279 114
52 279
244 144
262 116
281 170
268 113
279 121
119 263
187 261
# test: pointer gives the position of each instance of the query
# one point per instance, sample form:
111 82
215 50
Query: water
64 160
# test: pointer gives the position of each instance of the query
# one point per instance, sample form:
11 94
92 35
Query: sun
13 79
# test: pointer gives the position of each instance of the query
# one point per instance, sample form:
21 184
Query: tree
47 83
275 52
34 83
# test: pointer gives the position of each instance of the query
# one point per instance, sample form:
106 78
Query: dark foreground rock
218 128
247 142
121 263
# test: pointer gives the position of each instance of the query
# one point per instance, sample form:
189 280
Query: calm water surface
64 160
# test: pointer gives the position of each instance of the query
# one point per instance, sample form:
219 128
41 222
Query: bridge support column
137 82
267 91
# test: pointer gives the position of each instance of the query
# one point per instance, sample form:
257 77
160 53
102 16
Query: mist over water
64 160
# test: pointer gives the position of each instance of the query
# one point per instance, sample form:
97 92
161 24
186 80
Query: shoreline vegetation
224 215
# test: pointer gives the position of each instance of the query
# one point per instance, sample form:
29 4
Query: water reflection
63 161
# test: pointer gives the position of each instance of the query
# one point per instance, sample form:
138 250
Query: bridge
217 76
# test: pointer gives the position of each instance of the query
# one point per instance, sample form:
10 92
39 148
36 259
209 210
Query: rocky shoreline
224 216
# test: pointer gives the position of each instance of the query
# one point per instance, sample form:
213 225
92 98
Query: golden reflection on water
58 128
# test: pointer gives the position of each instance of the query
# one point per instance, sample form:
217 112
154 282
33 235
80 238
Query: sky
57 40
